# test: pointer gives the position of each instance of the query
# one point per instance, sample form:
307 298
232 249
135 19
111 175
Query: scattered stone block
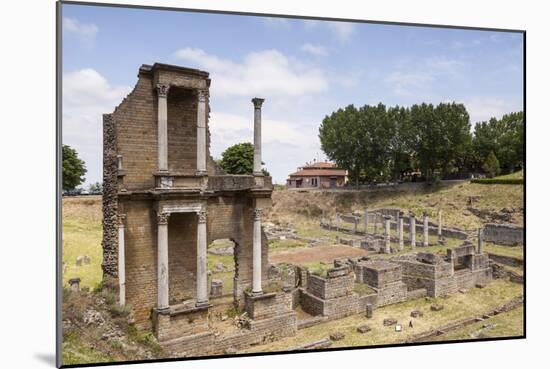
216 288
462 290
337 336
417 314
436 307
389 321
230 351
369 311
75 284
363 328
480 285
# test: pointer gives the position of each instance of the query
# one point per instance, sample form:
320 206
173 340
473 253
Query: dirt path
315 254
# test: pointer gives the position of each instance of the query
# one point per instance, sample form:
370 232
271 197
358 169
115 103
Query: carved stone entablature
120 220
257 214
202 95
162 218
202 216
166 182
162 89
257 102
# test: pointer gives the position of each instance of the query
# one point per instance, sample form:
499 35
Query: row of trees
376 143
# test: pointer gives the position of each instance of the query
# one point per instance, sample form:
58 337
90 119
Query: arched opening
222 270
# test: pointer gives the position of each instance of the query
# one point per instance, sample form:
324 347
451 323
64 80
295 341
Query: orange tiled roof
319 173
320 165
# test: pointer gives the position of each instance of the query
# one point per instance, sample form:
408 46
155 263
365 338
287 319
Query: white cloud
314 49
409 78
342 31
84 32
295 139
483 108
262 73
87 95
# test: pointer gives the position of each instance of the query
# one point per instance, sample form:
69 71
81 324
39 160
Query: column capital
257 101
162 218
202 95
411 214
202 216
258 214
121 218
162 89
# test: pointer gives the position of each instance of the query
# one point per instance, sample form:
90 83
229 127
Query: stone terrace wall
504 234
268 305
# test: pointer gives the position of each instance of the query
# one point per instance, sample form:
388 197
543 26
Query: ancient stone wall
503 234
268 305
109 198
328 288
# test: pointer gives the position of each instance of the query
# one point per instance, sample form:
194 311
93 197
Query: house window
314 181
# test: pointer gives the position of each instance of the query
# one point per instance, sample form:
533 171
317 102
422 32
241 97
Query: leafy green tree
239 159
73 168
491 166
343 140
504 137
96 187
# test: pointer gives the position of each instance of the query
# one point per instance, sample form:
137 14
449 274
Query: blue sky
304 69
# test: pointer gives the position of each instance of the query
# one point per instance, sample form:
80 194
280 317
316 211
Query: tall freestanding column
366 219
162 135
162 260
201 132
257 171
387 239
480 241
202 277
400 229
257 253
412 226
439 225
426 229
121 261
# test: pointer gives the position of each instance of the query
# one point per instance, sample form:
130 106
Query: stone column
162 261
366 220
439 225
121 262
376 216
202 268
387 238
257 253
400 230
480 241
257 171
426 230
162 134
355 220
452 261
412 226
397 224
201 131
338 222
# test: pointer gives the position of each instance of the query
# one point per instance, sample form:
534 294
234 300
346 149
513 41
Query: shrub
491 166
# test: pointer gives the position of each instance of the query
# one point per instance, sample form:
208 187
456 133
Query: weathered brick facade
163 114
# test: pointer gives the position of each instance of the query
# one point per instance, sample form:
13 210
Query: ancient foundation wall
503 234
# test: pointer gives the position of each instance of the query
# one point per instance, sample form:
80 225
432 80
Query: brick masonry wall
141 258
504 234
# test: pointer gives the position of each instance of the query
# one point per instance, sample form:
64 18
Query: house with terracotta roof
317 175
